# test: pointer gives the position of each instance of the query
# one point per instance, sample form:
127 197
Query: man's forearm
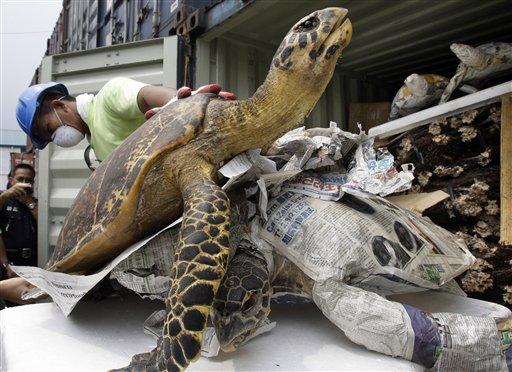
150 97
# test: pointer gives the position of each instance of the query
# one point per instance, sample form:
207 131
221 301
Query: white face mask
65 135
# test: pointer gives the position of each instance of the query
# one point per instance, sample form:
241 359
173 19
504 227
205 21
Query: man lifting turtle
47 113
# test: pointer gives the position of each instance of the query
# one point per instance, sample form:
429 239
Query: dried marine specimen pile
460 155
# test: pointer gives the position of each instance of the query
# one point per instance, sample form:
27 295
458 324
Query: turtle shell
498 49
107 215
289 278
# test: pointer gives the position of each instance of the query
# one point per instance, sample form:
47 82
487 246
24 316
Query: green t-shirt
113 115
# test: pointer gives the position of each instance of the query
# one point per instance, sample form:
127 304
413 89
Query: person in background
18 221
47 113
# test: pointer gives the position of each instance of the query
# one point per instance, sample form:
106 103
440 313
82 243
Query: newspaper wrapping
143 268
373 171
365 240
147 273
366 318
407 255
303 150
362 247
317 146
470 344
400 272
147 270
441 341
67 290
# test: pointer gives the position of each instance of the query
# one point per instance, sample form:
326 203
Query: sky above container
25 25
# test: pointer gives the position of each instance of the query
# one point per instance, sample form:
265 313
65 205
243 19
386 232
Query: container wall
62 172
241 66
391 40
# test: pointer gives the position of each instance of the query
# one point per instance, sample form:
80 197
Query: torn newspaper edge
65 289
147 271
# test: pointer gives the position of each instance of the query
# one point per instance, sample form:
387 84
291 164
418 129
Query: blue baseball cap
28 107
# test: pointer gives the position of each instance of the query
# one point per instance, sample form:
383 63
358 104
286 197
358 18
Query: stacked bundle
460 155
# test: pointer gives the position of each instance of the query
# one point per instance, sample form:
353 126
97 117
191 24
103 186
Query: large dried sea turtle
169 166
477 64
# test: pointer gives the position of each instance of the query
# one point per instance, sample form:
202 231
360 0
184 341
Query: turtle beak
346 33
340 36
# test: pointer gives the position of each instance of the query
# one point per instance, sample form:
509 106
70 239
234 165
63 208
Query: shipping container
63 171
90 24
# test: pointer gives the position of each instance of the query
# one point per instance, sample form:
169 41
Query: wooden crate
369 114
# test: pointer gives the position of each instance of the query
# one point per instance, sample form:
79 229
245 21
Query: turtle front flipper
199 265
455 81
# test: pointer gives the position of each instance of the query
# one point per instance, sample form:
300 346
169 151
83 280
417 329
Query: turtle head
242 302
470 56
311 48
417 84
299 72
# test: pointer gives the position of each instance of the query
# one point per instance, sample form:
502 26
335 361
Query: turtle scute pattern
243 301
418 93
101 198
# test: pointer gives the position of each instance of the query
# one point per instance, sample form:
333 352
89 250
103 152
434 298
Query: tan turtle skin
169 166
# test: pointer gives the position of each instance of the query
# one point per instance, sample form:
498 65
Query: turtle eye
307 25
249 304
